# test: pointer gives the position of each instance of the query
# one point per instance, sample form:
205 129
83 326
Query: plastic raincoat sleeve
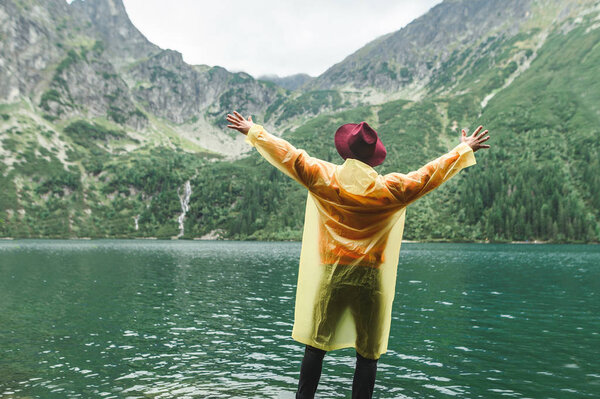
295 163
409 187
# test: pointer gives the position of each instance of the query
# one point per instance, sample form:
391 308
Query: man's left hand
475 141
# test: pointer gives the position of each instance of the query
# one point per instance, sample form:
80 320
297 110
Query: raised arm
294 162
409 187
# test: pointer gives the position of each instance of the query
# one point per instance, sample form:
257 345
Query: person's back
355 208
353 228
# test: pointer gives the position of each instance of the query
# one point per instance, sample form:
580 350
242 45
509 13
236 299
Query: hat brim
342 145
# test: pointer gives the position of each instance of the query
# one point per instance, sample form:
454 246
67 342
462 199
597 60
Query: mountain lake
213 319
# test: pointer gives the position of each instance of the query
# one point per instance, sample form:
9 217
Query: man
352 233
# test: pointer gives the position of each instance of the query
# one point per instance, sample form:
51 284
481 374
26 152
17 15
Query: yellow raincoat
352 233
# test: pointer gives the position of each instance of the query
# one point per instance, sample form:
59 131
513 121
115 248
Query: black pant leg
310 372
367 307
364 377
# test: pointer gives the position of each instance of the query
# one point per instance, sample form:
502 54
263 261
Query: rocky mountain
413 61
87 60
103 134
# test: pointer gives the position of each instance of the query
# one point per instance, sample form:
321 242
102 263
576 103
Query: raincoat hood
355 176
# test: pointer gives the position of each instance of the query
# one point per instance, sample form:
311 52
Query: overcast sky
280 37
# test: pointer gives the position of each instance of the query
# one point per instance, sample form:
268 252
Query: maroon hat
360 141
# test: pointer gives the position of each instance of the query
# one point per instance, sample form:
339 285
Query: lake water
160 319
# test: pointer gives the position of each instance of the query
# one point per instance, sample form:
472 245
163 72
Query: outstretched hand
239 123
474 141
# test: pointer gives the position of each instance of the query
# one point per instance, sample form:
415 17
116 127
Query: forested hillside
95 144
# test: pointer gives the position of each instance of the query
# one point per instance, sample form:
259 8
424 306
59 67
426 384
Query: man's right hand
476 139
239 123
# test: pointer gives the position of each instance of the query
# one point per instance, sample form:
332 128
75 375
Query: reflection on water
141 319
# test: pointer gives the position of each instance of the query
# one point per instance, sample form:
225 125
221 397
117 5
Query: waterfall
136 218
184 200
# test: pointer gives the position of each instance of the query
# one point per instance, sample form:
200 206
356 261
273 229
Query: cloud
270 36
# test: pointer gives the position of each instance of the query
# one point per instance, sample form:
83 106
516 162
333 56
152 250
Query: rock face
176 91
71 95
28 38
111 24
